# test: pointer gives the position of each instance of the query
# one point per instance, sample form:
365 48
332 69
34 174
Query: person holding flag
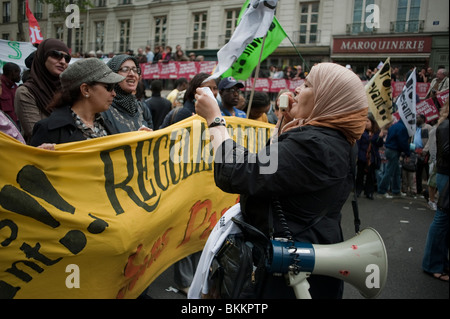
398 137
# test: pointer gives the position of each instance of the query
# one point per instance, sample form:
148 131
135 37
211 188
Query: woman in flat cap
87 91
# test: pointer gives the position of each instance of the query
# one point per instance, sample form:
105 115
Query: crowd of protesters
389 162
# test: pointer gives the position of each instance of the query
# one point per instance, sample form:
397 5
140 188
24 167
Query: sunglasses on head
59 55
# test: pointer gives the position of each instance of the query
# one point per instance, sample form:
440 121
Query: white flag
254 24
406 104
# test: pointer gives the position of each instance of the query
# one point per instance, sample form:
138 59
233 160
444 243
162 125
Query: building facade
361 33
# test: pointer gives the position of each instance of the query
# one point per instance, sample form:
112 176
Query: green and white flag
239 57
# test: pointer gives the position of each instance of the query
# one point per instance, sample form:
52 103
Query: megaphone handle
299 284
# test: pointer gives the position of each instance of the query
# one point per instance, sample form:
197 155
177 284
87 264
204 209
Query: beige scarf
340 101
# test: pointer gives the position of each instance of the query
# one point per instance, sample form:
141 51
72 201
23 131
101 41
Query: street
402 223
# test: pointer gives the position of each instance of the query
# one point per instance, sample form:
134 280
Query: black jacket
442 155
312 178
159 107
60 127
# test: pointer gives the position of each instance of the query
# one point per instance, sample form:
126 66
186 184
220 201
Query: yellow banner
103 218
379 94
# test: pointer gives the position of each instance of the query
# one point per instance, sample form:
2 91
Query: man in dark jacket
397 141
8 82
158 105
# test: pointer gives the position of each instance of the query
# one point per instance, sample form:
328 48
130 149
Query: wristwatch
218 121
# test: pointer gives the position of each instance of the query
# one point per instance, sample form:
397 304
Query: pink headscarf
340 101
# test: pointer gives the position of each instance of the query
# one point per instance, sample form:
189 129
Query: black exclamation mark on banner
35 182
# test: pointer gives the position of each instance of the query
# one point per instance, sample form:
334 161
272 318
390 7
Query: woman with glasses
33 97
87 91
127 113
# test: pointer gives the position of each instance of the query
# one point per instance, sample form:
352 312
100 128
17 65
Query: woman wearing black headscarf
32 98
127 113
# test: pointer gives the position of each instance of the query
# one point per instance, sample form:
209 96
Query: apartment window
59 32
231 21
124 1
408 12
309 20
160 30
5 36
100 3
360 15
199 30
99 35
38 9
79 36
6 11
124 32
24 12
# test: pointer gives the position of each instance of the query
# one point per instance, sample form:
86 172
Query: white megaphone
360 261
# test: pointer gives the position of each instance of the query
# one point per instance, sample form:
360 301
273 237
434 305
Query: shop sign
382 45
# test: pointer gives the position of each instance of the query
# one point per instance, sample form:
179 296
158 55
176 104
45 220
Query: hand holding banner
118 209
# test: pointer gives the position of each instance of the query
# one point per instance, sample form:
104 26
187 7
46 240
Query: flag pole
249 106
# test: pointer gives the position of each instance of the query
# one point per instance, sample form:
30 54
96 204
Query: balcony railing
412 26
306 38
196 43
359 28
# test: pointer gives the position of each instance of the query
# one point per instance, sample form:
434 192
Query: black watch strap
218 121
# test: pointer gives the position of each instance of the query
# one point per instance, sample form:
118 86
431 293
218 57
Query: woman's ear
84 89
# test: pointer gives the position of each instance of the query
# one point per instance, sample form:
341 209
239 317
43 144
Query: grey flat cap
88 70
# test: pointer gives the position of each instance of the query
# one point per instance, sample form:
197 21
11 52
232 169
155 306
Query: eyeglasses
59 55
233 90
127 69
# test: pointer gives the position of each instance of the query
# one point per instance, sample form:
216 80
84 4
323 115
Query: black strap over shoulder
353 157
317 219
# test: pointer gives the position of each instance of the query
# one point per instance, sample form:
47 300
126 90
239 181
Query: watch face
217 120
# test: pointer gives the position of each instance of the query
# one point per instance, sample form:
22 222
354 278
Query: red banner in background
33 26
421 89
187 69
176 69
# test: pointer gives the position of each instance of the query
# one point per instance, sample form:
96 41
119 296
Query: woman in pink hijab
305 171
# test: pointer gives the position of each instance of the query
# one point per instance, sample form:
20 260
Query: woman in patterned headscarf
32 99
305 172
127 113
